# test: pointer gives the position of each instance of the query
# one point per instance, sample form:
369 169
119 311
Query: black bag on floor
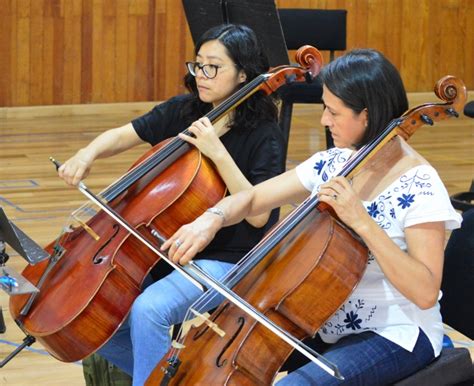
100 372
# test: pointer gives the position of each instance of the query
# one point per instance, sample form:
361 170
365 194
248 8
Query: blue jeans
365 359
144 338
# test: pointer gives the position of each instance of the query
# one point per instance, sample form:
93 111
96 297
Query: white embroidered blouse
418 196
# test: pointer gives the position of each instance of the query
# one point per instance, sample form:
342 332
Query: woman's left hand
339 194
206 138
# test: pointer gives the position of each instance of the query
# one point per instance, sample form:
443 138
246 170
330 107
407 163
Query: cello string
253 257
126 180
210 281
263 319
139 168
361 155
229 280
292 220
170 148
354 166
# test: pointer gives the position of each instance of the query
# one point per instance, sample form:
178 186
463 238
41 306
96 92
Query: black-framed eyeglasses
209 70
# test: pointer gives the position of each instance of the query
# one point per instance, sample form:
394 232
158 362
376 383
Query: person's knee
144 309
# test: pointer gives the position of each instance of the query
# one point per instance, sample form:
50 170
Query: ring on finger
178 243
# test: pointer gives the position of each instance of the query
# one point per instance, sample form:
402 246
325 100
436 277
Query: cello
96 269
310 258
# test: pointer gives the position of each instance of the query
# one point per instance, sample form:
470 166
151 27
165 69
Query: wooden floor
39 202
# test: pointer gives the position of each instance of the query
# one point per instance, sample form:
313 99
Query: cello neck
237 98
177 147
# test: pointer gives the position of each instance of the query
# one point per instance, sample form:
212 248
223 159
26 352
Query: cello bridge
209 323
87 228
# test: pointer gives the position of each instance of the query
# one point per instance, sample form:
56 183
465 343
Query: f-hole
219 361
97 259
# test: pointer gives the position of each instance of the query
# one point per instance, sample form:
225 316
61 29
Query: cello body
299 283
96 271
90 290
322 264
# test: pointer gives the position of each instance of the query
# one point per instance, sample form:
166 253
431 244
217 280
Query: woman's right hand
192 238
76 168
107 144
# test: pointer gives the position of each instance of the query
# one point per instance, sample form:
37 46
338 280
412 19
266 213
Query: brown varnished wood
302 291
85 51
28 136
161 200
82 302
317 264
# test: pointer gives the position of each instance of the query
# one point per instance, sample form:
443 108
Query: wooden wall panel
93 51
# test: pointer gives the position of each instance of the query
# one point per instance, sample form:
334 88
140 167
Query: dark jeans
365 359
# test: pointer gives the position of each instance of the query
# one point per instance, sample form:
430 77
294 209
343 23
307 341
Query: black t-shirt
258 154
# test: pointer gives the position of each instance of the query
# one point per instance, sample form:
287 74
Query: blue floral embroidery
327 166
373 211
379 210
319 166
352 321
371 313
419 180
339 328
371 258
385 209
406 200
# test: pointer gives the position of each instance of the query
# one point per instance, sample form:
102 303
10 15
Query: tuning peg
452 112
425 118
289 79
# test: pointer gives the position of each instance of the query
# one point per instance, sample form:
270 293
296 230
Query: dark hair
365 79
246 52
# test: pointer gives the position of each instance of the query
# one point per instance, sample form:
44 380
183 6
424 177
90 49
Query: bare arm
107 144
275 192
208 142
416 273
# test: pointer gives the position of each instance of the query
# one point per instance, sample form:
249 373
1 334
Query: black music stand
11 281
260 15
19 241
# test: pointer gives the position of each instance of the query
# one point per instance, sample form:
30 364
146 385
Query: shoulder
163 121
320 167
422 197
325 163
265 132
262 127
182 98
420 184
175 102
421 178
170 107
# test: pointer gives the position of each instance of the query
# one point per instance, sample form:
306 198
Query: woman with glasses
246 146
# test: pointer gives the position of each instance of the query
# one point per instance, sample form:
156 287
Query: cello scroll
310 61
449 89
